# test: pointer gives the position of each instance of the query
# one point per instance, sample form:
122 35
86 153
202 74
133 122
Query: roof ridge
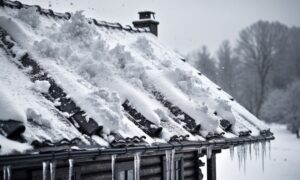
68 15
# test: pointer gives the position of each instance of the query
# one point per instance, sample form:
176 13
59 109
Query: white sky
186 25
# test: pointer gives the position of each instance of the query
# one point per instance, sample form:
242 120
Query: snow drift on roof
100 68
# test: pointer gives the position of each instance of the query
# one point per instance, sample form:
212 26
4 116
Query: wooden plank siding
100 167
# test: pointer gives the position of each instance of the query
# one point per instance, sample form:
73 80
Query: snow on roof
128 83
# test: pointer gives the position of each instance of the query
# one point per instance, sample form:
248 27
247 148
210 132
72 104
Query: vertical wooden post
211 167
198 164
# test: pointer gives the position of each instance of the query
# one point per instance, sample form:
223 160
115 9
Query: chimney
147 20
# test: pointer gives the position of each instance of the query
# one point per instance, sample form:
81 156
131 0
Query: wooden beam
211 167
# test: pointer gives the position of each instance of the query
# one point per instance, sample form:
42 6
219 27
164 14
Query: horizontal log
96 176
152 177
95 167
150 161
190 178
150 170
189 164
18 174
189 155
189 172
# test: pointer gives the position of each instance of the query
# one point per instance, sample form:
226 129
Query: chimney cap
146 15
146 12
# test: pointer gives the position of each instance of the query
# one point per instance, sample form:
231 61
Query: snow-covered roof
70 80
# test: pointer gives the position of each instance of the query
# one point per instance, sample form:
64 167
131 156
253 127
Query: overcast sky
186 25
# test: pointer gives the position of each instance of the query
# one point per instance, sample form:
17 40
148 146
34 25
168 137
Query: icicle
137 163
269 147
113 161
4 173
71 166
256 149
244 148
52 170
239 156
172 164
168 162
200 150
8 172
263 153
250 151
45 167
208 152
232 152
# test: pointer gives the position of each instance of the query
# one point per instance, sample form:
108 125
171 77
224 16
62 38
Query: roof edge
80 154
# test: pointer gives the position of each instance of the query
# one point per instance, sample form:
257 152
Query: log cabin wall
152 167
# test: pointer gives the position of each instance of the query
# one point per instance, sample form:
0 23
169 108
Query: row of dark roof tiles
67 16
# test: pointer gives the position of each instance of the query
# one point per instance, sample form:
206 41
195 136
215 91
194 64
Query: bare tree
258 46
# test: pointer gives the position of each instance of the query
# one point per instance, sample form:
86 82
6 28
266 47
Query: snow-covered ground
283 165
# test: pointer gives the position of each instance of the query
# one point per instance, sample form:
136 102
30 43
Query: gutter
83 154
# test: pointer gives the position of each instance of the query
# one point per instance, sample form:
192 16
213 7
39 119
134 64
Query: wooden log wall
100 167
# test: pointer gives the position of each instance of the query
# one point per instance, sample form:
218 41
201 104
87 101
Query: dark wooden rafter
141 121
12 129
190 123
121 142
227 127
76 115
212 165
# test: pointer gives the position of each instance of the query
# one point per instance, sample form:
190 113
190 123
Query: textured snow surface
41 86
10 110
9 146
99 68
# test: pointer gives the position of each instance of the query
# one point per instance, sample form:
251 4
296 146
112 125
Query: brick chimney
147 20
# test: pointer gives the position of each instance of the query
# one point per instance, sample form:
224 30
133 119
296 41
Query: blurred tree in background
259 46
203 61
262 71
227 68
283 106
